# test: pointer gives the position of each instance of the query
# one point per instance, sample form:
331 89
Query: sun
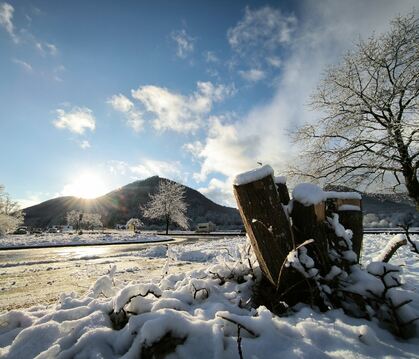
86 185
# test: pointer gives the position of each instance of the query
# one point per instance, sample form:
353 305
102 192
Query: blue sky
97 94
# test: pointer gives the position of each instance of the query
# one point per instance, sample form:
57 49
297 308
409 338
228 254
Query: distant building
205 227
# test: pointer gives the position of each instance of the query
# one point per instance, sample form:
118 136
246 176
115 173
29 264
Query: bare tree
168 203
369 132
81 220
10 214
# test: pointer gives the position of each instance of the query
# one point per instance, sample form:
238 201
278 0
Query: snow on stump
265 220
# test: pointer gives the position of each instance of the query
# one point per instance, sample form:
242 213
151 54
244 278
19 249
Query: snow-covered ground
202 313
63 239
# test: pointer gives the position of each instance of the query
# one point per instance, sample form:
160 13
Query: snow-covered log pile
307 255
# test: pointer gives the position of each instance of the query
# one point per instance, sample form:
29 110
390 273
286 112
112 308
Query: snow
393 242
349 207
309 194
280 180
203 312
69 239
253 175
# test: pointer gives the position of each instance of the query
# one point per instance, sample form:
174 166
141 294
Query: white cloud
225 151
26 66
77 120
274 61
47 48
149 167
184 43
121 103
85 144
6 20
219 191
133 117
261 32
194 148
211 57
252 75
177 112
118 167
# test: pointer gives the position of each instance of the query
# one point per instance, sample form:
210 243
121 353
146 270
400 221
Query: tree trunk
167 225
266 224
412 185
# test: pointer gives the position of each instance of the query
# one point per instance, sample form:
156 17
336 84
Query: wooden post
308 222
350 216
266 224
281 186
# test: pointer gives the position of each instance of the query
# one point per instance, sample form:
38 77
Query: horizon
196 93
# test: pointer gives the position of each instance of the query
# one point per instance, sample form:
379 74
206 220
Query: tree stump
266 224
281 186
350 216
308 222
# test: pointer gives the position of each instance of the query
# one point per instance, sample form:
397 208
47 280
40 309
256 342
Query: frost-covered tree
80 220
369 130
74 219
10 214
134 224
91 220
168 203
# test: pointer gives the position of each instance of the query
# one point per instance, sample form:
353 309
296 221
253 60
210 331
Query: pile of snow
203 314
309 194
253 175
66 239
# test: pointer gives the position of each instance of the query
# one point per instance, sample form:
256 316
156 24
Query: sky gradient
97 94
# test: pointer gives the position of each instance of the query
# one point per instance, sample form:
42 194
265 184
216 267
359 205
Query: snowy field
203 312
65 239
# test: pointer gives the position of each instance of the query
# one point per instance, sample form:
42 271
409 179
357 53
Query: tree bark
412 185
284 196
353 220
266 224
167 225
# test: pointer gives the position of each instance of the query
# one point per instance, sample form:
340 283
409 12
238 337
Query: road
37 276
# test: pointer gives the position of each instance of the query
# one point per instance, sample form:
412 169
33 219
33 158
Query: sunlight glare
86 185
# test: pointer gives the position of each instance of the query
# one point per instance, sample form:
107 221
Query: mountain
122 204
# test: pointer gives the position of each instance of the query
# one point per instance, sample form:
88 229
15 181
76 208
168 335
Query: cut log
350 216
266 224
284 195
353 220
308 222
